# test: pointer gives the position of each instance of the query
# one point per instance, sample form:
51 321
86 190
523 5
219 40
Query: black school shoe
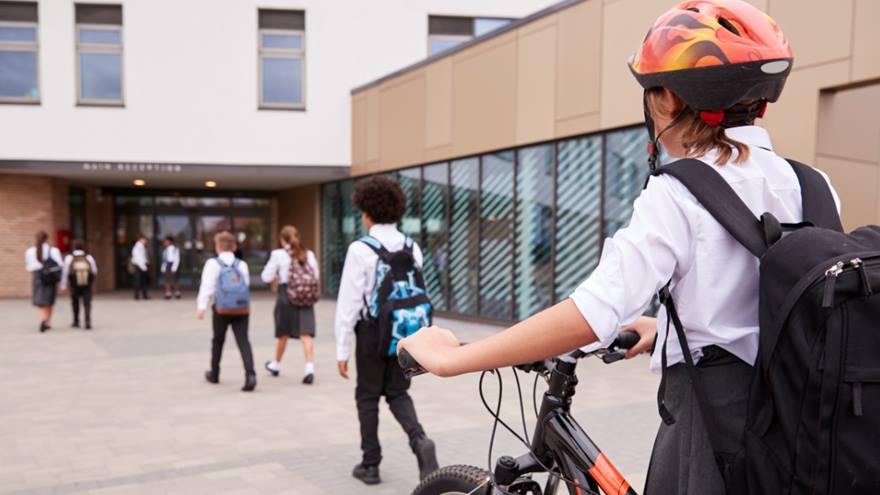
309 379
44 326
88 325
270 370
250 382
212 377
426 455
368 474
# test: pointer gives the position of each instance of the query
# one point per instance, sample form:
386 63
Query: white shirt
68 260
358 278
211 272
139 256
31 263
170 258
672 237
279 266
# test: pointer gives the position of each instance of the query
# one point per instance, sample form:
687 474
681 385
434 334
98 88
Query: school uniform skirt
290 320
683 462
43 294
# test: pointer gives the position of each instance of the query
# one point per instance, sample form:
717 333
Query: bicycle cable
522 412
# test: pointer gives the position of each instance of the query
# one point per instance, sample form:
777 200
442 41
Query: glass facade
509 233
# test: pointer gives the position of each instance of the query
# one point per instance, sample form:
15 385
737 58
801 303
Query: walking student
141 264
79 274
44 262
170 263
294 302
382 203
225 286
673 239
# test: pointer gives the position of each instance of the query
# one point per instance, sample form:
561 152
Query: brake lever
613 357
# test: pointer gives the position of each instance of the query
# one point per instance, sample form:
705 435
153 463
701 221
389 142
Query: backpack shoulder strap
375 245
818 202
720 200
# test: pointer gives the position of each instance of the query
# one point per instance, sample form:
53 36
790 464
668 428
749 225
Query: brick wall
26 206
100 231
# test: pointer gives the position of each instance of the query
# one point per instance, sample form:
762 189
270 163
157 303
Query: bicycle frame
559 441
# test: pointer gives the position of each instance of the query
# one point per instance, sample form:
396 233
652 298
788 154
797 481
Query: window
282 59
19 81
496 235
445 32
99 54
77 203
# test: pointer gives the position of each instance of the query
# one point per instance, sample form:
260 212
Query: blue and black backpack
232 296
398 305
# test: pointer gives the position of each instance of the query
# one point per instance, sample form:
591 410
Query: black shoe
270 370
88 325
146 297
177 295
250 382
309 379
212 376
167 297
43 326
74 324
423 448
367 474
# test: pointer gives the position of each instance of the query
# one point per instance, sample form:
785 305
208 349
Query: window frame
18 46
284 53
100 48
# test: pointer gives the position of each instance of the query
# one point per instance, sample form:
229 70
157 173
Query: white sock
274 365
310 369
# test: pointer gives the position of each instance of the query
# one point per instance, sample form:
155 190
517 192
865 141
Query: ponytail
295 248
41 239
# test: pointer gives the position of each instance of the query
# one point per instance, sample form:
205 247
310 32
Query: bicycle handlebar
625 340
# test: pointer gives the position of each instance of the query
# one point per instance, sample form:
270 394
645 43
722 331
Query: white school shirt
211 272
139 256
358 278
31 263
170 256
68 260
279 266
672 237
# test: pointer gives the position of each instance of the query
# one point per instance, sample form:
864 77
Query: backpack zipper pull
863 275
831 275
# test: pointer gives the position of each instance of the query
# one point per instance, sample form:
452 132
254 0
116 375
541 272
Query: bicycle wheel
455 480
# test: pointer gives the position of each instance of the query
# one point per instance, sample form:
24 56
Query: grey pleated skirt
291 320
43 294
683 462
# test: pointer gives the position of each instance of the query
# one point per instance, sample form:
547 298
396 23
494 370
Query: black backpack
399 305
50 273
813 423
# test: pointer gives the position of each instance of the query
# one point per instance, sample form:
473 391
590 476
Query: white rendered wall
190 81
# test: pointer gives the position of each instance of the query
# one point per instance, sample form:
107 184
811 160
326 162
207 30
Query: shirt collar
751 135
383 228
78 252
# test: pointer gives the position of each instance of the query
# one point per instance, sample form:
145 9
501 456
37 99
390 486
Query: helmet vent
693 9
728 25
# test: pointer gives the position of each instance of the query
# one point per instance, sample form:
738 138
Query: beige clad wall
564 74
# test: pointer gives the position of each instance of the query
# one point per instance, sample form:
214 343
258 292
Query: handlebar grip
627 340
410 366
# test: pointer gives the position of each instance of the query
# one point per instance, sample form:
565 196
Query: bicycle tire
459 479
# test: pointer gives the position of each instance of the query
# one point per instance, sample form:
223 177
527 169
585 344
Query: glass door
252 234
180 227
203 244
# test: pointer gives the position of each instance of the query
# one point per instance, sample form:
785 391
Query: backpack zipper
831 275
863 276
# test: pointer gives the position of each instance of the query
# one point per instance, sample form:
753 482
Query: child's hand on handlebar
433 347
646 327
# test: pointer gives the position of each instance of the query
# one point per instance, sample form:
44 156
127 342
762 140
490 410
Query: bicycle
559 446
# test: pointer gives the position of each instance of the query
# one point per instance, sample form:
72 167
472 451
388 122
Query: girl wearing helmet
708 68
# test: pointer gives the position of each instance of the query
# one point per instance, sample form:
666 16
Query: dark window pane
496 242
100 36
134 200
252 234
18 11
333 247
534 230
101 75
282 80
464 242
251 202
439 24
18 33
282 19
434 207
99 14
625 172
410 181
578 212
352 226
18 74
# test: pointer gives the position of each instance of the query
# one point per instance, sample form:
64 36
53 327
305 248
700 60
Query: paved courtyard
124 409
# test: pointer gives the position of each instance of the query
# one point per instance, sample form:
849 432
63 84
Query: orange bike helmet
714 54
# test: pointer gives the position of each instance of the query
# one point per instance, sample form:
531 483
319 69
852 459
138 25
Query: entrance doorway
192 221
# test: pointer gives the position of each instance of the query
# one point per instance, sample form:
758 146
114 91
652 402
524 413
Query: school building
520 143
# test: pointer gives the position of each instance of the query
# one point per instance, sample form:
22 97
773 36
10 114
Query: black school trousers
239 324
83 294
379 375
141 281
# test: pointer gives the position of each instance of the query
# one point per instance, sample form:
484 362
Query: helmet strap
654 141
